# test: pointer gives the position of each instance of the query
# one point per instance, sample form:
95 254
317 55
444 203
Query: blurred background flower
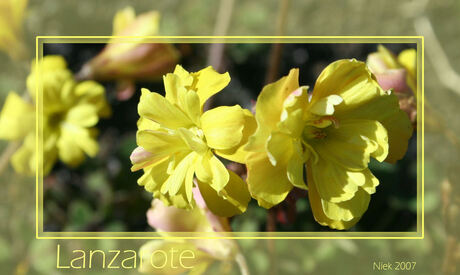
12 13
201 220
130 61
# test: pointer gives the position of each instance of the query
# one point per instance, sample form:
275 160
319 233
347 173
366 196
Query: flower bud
132 58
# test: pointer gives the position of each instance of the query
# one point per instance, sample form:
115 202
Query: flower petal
84 115
122 19
333 182
347 210
220 175
230 201
239 153
192 140
316 204
352 143
160 142
325 105
349 79
294 107
295 167
223 126
181 176
385 109
268 184
209 82
155 107
279 148
269 108
16 118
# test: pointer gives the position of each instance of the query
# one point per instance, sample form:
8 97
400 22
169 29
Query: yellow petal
154 175
317 208
173 82
93 93
17 118
220 175
189 102
349 79
347 210
83 138
209 82
23 160
325 106
223 126
371 182
352 143
268 184
122 19
295 167
155 107
84 115
203 168
69 152
279 148
333 182
147 124
230 201
186 79
161 142
269 107
294 107
408 59
182 176
385 109
239 153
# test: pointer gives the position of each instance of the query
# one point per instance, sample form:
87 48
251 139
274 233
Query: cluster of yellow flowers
332 131
70 112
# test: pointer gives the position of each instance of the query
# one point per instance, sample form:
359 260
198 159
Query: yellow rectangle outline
419 234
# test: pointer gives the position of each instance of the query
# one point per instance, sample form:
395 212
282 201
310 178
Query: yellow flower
11 17
334 131
398 73
177 141
70 112
130 61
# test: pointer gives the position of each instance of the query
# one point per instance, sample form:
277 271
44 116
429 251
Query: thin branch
7 153
275 54
216 50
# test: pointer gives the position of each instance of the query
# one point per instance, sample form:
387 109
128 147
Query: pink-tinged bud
394 79
376 63
140 155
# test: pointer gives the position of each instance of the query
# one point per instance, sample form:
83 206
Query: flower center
55 119
195 139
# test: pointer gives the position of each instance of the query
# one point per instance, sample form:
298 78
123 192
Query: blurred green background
438 21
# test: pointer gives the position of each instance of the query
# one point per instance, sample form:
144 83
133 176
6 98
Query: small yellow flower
11 17
177 141
70 112
334 131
